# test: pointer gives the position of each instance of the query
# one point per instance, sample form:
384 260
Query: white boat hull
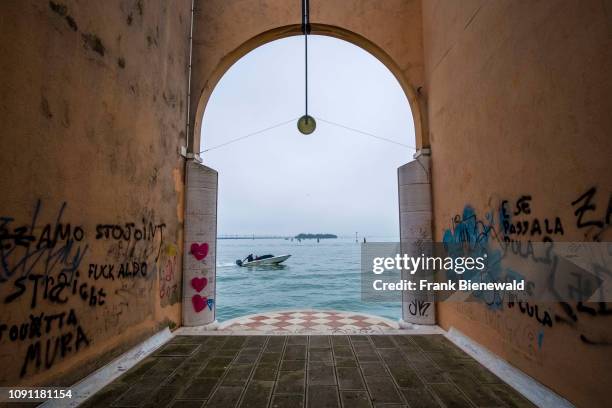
267 261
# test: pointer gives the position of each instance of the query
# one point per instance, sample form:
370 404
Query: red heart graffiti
199 283
199 303
199 251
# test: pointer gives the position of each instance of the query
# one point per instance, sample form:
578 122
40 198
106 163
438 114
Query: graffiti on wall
169 292
55 274
511 227
200 302
53 247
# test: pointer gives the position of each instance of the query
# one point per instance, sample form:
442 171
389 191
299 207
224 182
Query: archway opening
275 183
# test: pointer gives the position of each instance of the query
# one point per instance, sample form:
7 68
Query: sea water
323 275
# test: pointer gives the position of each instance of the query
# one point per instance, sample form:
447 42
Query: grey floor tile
343 351
265 372
324 355
319 342
187 404
340 341
177 350
256 342
237 375
429 342
246 358
287 401
323 371
382 342
480 394
134 396
219 362
405 377
364 348
272 358
290 382
225 397
382 390
450 396
349 378
295 352
227 353
199 389
301 340
235 342
162 397
293 365
211 372
510 397
345 361
367 357
373 369
323 396
257 394
275 344
320 374
355 399
419 397
429 373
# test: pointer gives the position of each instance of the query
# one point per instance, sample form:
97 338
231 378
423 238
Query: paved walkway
315 371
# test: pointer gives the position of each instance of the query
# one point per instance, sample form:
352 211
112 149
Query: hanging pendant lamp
306 124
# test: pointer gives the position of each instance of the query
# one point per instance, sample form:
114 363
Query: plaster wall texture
93 106
519 97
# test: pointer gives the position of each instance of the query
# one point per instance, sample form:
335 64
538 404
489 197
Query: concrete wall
519 96
93 110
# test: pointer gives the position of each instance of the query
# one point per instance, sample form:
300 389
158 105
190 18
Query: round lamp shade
306 124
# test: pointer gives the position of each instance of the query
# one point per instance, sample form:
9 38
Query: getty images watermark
494 273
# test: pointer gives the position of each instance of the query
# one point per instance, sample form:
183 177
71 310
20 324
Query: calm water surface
323 275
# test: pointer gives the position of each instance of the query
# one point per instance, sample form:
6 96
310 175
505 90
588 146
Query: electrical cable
365 133
249 135
384 139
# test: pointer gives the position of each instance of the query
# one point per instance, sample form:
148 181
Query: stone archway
407 85
223 32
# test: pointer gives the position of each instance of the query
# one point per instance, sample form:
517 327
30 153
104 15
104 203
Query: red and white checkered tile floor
310 321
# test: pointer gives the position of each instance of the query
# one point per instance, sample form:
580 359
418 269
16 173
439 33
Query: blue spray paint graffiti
474 237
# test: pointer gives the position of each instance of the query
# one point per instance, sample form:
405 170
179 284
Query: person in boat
250 258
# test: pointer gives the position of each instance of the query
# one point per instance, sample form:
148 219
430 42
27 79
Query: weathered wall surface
200 253
519 96
225 30
93 108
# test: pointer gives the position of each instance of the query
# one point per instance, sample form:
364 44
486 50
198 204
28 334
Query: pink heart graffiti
199 251
199 303
199 283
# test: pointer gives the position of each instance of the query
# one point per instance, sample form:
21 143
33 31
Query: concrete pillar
414 188
199 258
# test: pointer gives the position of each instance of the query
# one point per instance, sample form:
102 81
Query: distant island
315 236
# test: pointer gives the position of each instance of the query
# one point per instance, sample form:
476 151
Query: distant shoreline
299 236
253 237
315 236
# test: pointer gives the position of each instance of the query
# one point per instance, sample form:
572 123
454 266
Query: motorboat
262 260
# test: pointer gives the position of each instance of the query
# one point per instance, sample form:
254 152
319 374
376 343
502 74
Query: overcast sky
334 180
